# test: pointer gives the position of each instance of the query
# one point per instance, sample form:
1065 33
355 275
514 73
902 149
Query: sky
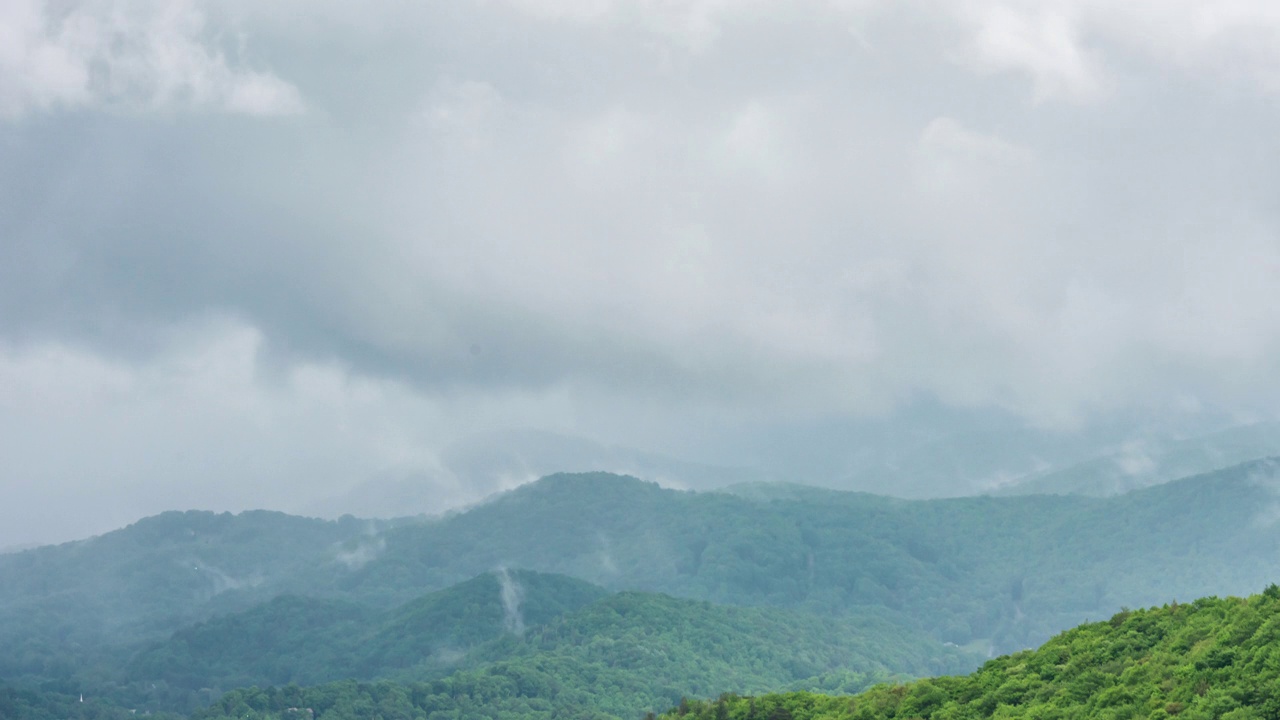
255 254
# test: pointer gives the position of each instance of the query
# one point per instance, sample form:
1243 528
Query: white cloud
134 55
1042 40
39 68
952 158
645 221
1073 50
92 442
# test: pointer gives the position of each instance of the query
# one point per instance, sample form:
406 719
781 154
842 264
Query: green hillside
1000 573
1009 571
308 641
1208 659
50 704
289 639
631 653
152 577
1212 658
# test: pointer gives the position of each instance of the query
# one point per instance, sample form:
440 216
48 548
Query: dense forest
1212 658
1006 571
629 654
621 596
600 650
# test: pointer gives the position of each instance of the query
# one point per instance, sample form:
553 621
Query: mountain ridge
1010 571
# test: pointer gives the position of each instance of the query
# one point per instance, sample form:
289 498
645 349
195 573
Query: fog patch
605 556
512 596
365 551
1265 474
1000 480
447 656
1135 459
224 582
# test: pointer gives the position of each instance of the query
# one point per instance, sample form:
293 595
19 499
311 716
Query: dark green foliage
160 573
1209 659
984 573
613 653
25 704
472 613
305 641
289 639
1005 571
627 654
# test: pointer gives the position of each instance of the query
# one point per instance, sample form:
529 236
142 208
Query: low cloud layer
254 255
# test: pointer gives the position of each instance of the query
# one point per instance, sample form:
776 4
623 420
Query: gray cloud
253 255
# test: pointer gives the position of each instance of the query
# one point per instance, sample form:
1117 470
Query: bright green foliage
1208 659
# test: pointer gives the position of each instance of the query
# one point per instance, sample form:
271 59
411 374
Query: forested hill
1013 570
169 569
1207 659
620 657
1005 571
529 644
308 641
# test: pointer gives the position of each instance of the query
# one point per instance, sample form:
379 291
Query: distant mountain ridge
1146 461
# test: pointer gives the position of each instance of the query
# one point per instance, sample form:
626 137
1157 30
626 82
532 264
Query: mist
296 256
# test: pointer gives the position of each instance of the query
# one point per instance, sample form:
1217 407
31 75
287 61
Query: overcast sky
253 253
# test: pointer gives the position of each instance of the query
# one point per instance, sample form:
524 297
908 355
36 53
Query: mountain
652 648
1208 659
1211 658
829 590
150 578
1145 461
308 641
1003 572
1008 571
634 652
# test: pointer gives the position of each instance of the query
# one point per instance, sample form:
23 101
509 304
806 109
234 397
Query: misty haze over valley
711 360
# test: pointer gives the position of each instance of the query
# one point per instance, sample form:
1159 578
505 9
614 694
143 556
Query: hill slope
1010 570
1208 659
630 653
1005 571
308 641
